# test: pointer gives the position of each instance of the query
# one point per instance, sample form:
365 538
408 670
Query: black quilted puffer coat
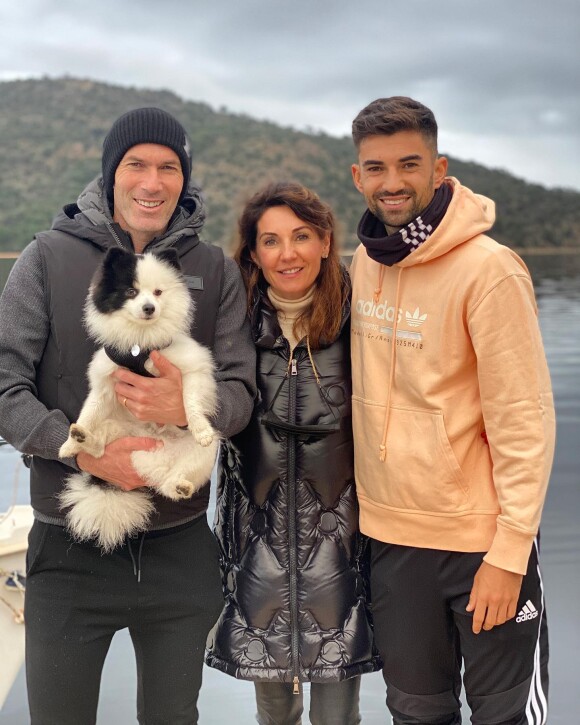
294 576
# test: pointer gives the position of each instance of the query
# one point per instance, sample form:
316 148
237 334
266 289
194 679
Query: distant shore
349 252
538 251
546 250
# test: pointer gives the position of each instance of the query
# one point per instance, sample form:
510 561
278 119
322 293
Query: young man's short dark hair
387 116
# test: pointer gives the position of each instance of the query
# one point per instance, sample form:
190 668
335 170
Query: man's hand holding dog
115 464
159 399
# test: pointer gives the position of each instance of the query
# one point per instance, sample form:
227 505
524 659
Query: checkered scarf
390 249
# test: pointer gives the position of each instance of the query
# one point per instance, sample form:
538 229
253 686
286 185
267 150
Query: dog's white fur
185 461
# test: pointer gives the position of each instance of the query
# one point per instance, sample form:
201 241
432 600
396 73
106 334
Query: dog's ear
117 257
112 277
170 256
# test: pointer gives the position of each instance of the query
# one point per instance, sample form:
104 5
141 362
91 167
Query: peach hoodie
465 357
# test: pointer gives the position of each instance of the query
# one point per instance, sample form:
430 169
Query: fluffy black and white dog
137 304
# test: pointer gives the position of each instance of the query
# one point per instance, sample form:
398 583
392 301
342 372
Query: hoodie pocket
420 471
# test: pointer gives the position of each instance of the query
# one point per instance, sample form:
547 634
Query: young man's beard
394 220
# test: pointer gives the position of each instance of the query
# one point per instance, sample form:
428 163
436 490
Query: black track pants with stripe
424 636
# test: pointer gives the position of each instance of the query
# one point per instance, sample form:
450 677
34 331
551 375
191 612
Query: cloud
500 76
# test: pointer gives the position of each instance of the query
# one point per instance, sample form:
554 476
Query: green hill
51 133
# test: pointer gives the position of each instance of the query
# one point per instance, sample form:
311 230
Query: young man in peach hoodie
454 434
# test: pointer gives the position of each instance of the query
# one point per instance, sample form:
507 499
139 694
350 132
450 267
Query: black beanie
144 125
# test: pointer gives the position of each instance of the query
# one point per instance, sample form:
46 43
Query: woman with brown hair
292 558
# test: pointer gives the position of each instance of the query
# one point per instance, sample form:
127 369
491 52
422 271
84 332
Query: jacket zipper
292 546
120 244
115 235
359 551
231 501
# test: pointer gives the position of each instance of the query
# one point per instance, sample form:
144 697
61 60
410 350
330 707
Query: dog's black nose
148 309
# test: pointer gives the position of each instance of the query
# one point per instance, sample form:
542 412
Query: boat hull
14 528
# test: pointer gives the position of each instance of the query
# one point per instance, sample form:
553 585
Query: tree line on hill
51 132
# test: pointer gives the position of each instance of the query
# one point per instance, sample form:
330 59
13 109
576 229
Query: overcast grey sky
502 76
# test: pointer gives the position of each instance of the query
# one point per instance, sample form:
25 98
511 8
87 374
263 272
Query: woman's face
289 251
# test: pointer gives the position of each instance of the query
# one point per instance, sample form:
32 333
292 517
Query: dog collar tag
135 350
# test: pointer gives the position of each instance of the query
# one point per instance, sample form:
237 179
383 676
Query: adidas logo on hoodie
382 311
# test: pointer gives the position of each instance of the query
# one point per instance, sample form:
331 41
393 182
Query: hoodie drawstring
379 288
383 445
136 564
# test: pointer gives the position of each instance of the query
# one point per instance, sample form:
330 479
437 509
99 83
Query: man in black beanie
164 584
143 202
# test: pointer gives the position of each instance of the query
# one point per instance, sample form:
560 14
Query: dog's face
139 298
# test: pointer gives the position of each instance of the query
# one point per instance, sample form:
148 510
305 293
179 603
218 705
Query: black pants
424 635
163 586
331 703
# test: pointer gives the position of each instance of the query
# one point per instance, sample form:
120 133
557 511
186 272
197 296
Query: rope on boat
19 586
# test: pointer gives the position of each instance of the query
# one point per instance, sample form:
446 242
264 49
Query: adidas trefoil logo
415 319
528 611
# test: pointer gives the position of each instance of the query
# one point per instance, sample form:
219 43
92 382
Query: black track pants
165 587
424 634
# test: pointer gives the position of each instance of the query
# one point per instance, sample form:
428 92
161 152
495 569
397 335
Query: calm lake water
225 700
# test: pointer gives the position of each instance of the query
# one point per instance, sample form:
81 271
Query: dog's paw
183 489
78 433
204 435
69 449
80 439
74 442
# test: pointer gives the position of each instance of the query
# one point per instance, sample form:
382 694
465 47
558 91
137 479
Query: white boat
14 527
15 524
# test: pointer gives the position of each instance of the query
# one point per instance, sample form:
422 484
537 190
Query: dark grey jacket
292 558
44 350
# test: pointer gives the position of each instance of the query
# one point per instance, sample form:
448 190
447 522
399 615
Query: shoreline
539 251
522 251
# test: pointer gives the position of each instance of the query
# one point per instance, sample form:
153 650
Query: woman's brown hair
323 317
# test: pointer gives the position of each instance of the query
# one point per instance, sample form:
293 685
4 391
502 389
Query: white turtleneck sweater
288 312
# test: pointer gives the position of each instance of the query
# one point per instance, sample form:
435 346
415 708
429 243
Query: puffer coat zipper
292 543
